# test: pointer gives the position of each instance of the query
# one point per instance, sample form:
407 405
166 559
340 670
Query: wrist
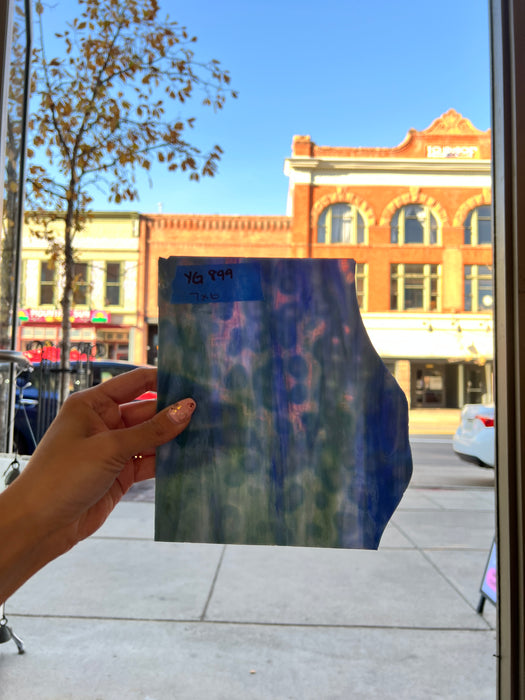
27 542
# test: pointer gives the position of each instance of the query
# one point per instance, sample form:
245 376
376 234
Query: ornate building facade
416 218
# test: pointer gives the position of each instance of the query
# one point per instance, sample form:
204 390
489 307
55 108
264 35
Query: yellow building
105 307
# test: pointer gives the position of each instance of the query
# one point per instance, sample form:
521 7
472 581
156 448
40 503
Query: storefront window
115 343
429 386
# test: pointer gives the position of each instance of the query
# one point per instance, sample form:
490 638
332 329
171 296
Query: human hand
98 446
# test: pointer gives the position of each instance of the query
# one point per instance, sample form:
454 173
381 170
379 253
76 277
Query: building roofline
434 165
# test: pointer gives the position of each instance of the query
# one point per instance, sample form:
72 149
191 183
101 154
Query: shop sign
55 316
452 151
489 583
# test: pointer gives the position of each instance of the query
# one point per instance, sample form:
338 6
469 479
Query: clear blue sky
346 72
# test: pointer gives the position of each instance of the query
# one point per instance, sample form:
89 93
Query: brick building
416 217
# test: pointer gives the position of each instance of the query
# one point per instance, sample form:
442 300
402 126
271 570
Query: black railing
38 391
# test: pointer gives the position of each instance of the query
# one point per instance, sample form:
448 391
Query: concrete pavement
434 421
123 617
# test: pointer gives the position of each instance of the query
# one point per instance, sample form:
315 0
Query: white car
474 439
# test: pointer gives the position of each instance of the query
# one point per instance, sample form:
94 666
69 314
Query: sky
346 72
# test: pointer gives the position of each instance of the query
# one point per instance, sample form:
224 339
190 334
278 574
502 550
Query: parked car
474 440
37 395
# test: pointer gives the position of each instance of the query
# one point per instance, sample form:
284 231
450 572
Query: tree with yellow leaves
109 105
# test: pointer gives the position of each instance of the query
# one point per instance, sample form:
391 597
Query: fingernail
181 411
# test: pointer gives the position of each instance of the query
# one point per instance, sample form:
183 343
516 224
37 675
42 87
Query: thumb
162 427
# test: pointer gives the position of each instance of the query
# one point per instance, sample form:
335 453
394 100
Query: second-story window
81 287
47 282
478 288
478 226
113 284
415 287
414 224
341 223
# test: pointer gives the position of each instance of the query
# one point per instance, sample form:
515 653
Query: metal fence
39 388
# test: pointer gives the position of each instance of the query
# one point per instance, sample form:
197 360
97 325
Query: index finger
127 386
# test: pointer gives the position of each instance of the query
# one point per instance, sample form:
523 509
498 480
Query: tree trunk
66 304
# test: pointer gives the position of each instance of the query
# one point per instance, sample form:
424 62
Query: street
435 467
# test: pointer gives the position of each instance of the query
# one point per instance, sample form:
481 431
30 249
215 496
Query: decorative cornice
327 165
210 222
452 123
450 137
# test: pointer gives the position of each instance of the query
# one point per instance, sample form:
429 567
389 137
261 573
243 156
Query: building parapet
210 222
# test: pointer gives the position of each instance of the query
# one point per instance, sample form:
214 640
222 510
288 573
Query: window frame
356 215
47 284
399 237
473 278
85 285
473 226
361 278
117 285
398 274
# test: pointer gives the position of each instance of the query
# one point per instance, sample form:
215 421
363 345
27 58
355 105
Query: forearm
26 545
80 470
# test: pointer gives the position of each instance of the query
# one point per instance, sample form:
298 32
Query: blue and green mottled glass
300 436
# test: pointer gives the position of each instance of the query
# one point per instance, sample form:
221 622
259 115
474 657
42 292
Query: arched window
478 226
414 224
341 223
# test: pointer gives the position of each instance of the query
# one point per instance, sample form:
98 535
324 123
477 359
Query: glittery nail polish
182 411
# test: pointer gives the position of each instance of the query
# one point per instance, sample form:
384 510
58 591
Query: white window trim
426 228
474 278
401 278
47 284
363 267
354 211
474 228
121 263
87 282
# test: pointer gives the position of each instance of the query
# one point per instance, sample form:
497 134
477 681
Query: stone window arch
477 226
415 196
358 208
341 223
415 224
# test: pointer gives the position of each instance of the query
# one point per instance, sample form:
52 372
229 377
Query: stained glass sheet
300 436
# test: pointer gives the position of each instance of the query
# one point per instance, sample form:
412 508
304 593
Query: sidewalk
124 618
434 421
